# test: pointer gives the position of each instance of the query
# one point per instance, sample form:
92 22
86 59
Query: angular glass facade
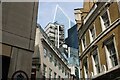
61 17
72 40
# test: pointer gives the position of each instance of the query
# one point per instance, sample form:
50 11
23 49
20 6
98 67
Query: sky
46 10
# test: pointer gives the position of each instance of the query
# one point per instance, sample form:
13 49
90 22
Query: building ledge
108 75
101 35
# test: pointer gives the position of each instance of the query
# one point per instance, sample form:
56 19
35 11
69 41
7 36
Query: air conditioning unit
104 68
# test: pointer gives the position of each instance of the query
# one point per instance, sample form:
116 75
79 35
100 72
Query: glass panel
50 73
44 70
51 57
62 69
59 66
96 60
92 30
55 62
55 76
84 41
58 77
112 52
85 68
45 52
106 19
62 18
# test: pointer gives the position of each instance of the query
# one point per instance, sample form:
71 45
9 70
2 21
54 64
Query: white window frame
45 53
45 71
109 62
63 69
83 47
99 59
55 62
55 75
68 75
86 75
81 67
118 2
50 73
59 64
90 34
93 61
80 44
51 57
114 41
101 20
59 77
65 72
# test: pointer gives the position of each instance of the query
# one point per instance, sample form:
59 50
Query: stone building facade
18 37
47 59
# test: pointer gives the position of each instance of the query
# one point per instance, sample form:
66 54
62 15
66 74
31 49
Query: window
105 20
55 62
55 76
85 67
44 70
111 53
58 77
68 74
50 73
62 69
65 72
119 5
92 33
51 57
95 61
45 52
59 66
80 48
84 42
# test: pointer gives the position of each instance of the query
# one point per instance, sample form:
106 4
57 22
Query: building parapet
106 72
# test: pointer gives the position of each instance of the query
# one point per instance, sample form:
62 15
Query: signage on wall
19 75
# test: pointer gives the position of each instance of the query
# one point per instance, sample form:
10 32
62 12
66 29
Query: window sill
105 72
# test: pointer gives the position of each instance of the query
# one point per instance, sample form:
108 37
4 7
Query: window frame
59 77
65 72
50 73
44 70
84 45
86 74
118 2
55 62
51 57
45 53
55 75
94 62
62 69
101 19
59 64
107 54
90 33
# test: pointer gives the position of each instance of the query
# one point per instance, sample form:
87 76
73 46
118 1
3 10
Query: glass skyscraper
61 17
